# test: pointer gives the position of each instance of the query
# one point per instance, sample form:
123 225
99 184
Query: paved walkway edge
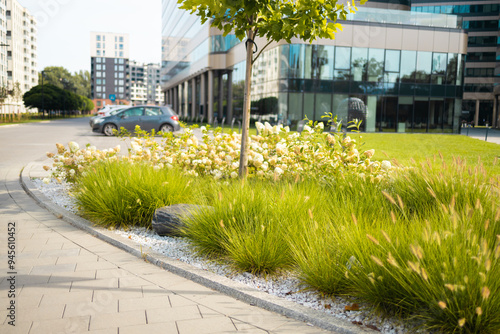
216 282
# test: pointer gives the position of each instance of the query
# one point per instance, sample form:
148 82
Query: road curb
219 283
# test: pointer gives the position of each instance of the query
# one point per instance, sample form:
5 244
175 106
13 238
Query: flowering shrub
274 154
68 163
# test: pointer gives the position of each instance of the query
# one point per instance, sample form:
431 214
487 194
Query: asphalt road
22 143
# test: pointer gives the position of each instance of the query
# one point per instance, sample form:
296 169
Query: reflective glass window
392 60
295 106
451 69
340 104
424 65
296 61
448 115
322 64
323 105
421 111
308 61
375 65
391 65
438 68
309 105
405 114
460 69
359 63
342 63
284 60
342 58
436 110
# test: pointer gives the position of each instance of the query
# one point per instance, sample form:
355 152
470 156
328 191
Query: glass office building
481 20
398 70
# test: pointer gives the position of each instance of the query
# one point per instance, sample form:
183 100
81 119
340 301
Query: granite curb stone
216 282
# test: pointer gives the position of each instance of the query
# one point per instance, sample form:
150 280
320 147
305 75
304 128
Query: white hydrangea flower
234 175
386 165
260 127
73 146
308 129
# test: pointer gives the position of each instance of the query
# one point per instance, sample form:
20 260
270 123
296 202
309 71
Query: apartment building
18 37
396 69
481 20
109 68
145 85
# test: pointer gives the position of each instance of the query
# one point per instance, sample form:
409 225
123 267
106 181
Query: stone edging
213 281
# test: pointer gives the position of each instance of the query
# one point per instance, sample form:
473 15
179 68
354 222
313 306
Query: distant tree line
60 91
52 98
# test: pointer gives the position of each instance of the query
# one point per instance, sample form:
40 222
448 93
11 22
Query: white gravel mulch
285 286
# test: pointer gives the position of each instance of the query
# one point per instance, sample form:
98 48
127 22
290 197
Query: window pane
405 113
451 69
322 62
408 66
424 64
391 60
323 105
421 113
439 63
342 58
284 60
296 61
309 105
359 63
295 106
375 65
340 104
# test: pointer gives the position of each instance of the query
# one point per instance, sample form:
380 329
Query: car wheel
108 129
166 128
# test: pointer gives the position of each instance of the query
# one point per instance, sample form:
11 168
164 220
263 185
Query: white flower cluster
273 154
67 164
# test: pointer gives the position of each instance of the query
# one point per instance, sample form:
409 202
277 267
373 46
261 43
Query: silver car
147 117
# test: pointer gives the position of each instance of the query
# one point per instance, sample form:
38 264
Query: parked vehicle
106 110
112 112
148 118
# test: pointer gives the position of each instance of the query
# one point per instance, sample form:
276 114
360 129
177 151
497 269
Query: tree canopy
58 76
273 20
52 98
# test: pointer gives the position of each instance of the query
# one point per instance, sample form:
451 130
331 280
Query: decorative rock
169 220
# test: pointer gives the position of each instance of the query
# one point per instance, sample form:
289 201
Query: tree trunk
246 109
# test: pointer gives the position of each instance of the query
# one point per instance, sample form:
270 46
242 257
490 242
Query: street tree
273 20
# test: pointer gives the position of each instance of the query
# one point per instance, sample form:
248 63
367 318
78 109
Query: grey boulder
169 220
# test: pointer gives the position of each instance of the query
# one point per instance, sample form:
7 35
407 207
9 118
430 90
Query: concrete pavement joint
213 281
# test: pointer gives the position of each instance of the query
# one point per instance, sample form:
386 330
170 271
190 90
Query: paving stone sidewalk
68 281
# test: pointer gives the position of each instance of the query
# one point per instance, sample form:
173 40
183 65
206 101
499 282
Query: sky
64 28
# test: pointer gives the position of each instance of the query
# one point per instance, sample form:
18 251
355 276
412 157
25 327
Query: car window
115 111
152 111
169 111
133 112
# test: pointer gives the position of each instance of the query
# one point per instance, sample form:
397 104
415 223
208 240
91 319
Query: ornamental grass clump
252 223
436 260
243 228
124 194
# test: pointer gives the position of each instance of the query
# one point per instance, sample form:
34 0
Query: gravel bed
286 286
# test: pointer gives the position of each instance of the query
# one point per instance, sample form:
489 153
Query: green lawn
419 147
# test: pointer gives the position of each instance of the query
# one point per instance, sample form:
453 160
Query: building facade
18 54
145 85
109 68
481 20
397 70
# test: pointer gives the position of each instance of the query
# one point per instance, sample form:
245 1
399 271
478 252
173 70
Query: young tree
274 20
